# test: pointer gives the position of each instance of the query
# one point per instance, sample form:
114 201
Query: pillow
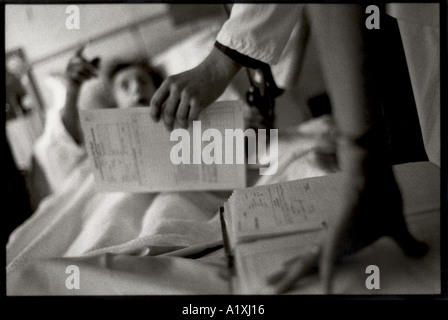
92 95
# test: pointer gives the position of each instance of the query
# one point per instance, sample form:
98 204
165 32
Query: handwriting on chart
114 138
118 170
209 173
296 204
286 204
256 199
116 153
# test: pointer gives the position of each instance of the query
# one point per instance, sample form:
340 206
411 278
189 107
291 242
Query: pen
226 240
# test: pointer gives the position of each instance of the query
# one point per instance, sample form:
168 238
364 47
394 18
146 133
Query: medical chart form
130 152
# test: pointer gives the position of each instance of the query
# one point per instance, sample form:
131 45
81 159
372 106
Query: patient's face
132 87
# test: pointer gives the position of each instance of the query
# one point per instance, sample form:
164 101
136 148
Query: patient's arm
78 71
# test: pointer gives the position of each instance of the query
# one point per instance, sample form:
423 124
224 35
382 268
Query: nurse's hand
371 208
182 97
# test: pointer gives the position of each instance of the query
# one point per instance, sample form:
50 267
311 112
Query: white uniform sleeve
260 31
56 151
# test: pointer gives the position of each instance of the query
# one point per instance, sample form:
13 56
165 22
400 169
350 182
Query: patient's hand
372 208
181 97
79 69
